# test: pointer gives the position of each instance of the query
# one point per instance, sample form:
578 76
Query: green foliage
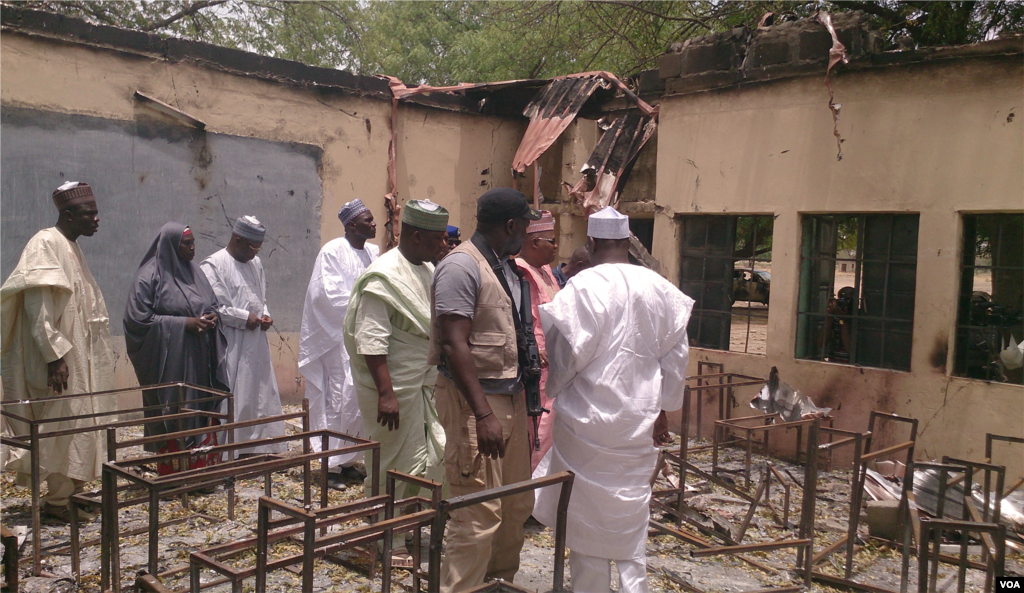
754 237
448 41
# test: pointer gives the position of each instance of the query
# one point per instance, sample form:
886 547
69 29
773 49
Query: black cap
504 203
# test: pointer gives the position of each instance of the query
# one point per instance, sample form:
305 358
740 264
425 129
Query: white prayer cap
608 224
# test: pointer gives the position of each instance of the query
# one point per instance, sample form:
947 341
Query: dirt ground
669 560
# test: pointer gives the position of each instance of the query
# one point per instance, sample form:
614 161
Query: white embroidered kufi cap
608 223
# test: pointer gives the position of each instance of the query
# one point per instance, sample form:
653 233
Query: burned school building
862 233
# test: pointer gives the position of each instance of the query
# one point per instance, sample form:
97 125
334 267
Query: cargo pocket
488 350
466 471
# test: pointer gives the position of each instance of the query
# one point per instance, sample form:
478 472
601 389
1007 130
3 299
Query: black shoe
63 513
336 481
353 473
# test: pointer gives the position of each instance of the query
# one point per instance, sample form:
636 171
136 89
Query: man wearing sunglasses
534 260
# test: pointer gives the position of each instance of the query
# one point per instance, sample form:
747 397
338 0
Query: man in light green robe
56 341
387 334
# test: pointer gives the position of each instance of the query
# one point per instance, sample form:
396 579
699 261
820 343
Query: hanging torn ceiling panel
550 113
608 167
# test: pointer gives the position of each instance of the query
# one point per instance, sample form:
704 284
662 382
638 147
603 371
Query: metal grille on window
857 282
726 269
990 330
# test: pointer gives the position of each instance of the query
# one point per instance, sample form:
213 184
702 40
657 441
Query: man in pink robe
535 261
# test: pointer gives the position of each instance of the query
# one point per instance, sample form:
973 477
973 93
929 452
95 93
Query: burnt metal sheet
926 495
557 105
608 167
550 113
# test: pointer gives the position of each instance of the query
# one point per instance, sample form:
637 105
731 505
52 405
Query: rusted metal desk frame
726 383
723 429
10 559
993 535
30 442
445 507
803 543
305 523
424 511
95 499
992 553
907 518
857 439
173 484
725 396
990 439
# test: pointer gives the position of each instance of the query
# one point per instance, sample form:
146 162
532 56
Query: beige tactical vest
492 339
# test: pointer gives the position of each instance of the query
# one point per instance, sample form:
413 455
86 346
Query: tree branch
634 6
189 10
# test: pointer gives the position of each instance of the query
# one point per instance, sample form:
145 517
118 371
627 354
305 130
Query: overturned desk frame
30 442
226 473
803 543
992 552
908 520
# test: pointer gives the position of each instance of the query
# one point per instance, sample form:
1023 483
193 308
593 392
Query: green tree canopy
447 41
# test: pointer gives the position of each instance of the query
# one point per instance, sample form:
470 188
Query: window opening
989 312
643 228
858 276
726 269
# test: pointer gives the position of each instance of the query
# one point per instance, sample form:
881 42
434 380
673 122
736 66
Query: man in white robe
617 349
236 275
323 359
56 340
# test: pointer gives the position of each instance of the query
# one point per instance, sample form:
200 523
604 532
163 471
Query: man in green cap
387 334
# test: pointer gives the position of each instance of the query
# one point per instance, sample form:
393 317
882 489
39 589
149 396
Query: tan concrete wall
936 139
441 155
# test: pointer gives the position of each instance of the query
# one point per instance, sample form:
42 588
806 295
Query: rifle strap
524 316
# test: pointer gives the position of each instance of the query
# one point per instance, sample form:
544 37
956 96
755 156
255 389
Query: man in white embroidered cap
56 340
323 359
607 426
236 275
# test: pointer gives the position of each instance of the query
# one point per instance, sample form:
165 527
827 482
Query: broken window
989 326
858 275
726 270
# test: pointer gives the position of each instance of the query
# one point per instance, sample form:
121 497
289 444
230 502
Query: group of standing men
430 363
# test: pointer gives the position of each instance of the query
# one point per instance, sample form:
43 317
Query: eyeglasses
552 241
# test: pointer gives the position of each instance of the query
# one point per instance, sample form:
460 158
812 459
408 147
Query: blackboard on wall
147 172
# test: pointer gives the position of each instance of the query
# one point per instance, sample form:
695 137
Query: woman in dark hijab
171 331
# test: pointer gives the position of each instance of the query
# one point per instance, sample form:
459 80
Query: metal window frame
964 307
700 313
808 318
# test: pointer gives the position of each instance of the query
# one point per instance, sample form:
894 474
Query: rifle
531 366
